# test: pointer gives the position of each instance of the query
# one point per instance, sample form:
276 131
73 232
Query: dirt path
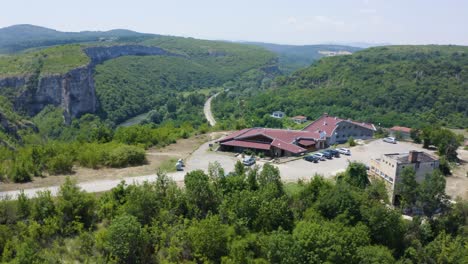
457 183
207 110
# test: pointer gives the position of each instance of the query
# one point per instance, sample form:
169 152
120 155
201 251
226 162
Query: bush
351 142
20 173
60 164
124 155
92 155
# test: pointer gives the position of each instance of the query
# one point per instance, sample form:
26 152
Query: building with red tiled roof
272 142
400 132
299 119
337 130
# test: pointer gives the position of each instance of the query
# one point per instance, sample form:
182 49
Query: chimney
413 156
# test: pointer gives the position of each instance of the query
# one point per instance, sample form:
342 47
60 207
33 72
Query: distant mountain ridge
17 38
294 57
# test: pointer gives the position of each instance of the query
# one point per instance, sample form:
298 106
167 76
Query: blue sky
288 22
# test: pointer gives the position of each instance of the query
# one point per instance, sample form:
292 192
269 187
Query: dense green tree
341 200
270 175
280 247
202 196
43 206
127 241
374 255
329 242
432 193
142 202
239 168
74 207
385 224
208 239
356 175
407 188
23 206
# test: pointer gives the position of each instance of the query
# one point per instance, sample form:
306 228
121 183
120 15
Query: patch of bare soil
457 184
155 157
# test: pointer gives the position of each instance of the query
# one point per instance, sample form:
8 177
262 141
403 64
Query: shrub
124 155
60 164
351 142
20 173
92 155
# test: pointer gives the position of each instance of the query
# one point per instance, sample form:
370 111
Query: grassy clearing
168 165
54 60
293 188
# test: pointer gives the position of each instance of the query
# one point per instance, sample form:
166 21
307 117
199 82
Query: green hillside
132 85
59 59
395 85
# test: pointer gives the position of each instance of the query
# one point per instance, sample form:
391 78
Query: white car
320 156
390 140
344 151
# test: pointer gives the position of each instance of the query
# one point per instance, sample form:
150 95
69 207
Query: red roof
280 138
306 142
329 123
247 144
401 129
299 117
287 146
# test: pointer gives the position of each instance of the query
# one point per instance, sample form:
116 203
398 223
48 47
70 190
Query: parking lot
301 169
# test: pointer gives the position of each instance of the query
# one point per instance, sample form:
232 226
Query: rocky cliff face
74 91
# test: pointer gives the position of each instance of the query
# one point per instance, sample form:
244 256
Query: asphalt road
207 110
290 171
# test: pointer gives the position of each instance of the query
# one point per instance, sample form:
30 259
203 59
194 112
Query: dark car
312 158
334 152
327 154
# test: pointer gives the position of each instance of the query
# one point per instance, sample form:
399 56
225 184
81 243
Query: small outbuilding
397 131
278 114
299 119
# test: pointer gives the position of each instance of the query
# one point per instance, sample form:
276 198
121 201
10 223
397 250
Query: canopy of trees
396 85
248 216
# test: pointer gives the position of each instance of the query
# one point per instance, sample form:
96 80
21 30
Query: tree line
245 216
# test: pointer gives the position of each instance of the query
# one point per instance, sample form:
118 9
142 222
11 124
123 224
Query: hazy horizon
294 22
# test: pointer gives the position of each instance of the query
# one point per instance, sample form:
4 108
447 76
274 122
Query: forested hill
295 57
394 85
18 38
120 80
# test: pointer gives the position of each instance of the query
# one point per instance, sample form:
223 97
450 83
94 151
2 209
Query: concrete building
390 166
338 130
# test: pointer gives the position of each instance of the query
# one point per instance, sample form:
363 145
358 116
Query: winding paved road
207 110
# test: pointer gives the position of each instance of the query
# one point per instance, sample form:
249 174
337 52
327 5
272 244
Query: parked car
344 151
312 158
320 156
179 166
390 140
327 154
334 152
249 161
